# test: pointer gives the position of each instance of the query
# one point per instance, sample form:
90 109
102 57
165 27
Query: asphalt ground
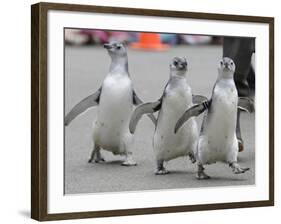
85 69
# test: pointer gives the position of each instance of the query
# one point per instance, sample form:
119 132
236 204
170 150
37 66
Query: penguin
218 140
176 98
115 100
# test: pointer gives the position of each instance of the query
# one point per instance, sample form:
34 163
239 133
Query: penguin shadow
180 172
175 174
108 162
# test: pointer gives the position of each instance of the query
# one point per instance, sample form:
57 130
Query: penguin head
226 68
178 66
116 49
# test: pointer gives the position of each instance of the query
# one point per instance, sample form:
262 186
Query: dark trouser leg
240 50
252 81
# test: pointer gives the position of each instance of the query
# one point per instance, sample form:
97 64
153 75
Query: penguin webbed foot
90 160
162 171
129 161
96 156
201 175
97 159
236 169
101 160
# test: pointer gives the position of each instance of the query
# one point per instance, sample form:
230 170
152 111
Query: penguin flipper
246 104
197 99
145 108
191 112
137 101
82 106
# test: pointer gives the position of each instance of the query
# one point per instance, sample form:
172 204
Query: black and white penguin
115 100
218 140
176 98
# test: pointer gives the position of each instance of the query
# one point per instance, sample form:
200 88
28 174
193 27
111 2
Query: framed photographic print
139 111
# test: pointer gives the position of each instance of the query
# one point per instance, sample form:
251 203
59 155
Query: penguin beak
182 66
226 66
107 46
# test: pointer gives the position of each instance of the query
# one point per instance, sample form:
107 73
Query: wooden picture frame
39 109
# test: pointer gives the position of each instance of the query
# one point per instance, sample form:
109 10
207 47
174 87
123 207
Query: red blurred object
150 41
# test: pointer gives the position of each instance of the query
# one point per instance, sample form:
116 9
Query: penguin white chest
218 142
224 109
167 144
115 108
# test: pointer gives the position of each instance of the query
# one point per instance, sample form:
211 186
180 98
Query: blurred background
82 37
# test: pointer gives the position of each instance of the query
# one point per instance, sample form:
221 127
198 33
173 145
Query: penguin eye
231 63
118 47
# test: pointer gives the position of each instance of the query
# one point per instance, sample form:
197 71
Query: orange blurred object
150 41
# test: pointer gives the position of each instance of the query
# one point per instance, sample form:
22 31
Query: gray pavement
85 69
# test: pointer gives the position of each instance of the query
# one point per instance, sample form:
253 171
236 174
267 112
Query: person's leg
252 81
240 50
